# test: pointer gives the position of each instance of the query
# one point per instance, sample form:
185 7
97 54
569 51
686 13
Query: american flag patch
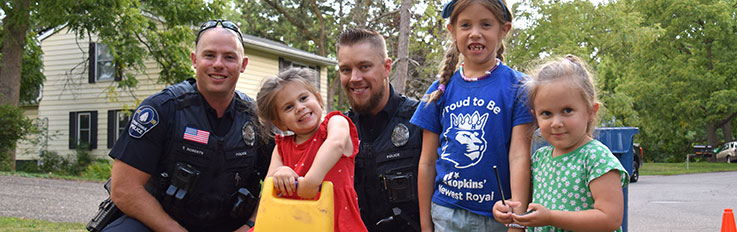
196 135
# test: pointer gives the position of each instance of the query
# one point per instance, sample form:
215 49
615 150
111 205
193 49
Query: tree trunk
399 80
15 27
727 131
711 134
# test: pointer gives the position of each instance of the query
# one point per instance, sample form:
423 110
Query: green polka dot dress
562 183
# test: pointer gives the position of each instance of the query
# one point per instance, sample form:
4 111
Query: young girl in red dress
317 149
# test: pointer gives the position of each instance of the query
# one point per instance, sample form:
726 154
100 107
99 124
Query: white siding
262 65
24 149
66 89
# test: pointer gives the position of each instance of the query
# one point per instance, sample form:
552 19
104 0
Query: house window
83 129
102 65
286 64
117 123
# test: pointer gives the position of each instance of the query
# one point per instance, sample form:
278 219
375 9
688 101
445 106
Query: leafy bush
13 126
52 162
30 167
72 165
99 169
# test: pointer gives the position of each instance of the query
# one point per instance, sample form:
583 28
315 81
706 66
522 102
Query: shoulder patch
144 119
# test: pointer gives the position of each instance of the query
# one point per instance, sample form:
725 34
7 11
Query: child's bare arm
606 215
337 144
426 177
519 166
284 176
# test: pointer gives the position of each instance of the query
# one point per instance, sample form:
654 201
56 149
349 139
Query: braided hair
452 54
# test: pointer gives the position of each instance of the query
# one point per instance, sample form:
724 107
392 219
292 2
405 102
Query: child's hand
539 217
284 179
306 189
503 213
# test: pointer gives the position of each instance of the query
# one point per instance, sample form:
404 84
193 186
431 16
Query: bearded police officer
194 153
386 164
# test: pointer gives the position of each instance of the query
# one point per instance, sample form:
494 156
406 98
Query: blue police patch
145 119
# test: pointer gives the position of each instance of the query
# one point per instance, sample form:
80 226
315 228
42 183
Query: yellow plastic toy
282 214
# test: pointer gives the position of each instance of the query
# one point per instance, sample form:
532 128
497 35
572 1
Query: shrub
13 126
99 169
52 162
30 166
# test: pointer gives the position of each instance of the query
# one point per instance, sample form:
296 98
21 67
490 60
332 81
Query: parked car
727 152
703 151
637 162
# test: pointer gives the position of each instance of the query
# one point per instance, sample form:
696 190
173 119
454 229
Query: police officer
386 164
194 153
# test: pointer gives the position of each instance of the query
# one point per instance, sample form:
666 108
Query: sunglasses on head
214 23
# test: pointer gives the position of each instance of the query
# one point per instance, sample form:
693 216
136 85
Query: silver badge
400 135
249 135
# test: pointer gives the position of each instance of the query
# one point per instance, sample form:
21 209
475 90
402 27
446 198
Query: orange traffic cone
728 221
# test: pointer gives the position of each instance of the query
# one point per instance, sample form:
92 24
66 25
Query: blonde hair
452 54
569 68
266 97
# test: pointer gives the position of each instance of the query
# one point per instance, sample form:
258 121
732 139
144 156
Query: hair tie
441 87
447 9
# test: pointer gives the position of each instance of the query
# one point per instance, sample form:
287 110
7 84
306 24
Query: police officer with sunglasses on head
194 153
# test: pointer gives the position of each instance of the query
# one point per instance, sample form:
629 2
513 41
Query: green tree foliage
690 67
13 126
315 25
134 30
667 67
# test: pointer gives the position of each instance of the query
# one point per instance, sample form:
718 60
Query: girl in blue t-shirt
473 118
576 182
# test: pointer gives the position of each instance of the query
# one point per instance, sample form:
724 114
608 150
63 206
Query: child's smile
478 34
298 110
563 116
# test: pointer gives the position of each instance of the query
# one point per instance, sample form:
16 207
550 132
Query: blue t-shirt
474 121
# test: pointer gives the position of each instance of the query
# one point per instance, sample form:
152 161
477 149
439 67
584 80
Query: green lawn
680 168
20 224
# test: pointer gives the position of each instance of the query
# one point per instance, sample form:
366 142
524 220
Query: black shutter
72 130
93 63
284 64
111 119
93 130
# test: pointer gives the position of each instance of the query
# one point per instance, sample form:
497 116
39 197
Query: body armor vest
199 182
386 172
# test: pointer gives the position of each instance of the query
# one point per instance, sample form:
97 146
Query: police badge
400 135
249 135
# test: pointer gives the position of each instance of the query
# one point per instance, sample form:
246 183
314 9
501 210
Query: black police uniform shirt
144 153
144 146
373 201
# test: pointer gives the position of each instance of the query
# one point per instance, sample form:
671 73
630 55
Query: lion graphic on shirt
465 136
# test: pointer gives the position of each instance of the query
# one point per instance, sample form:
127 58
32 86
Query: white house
81 103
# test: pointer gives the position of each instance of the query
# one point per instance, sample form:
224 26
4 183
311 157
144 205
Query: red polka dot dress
300 157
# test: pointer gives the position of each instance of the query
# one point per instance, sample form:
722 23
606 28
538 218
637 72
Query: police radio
400 186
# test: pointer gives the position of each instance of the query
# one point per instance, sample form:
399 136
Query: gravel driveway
50 200
692 202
